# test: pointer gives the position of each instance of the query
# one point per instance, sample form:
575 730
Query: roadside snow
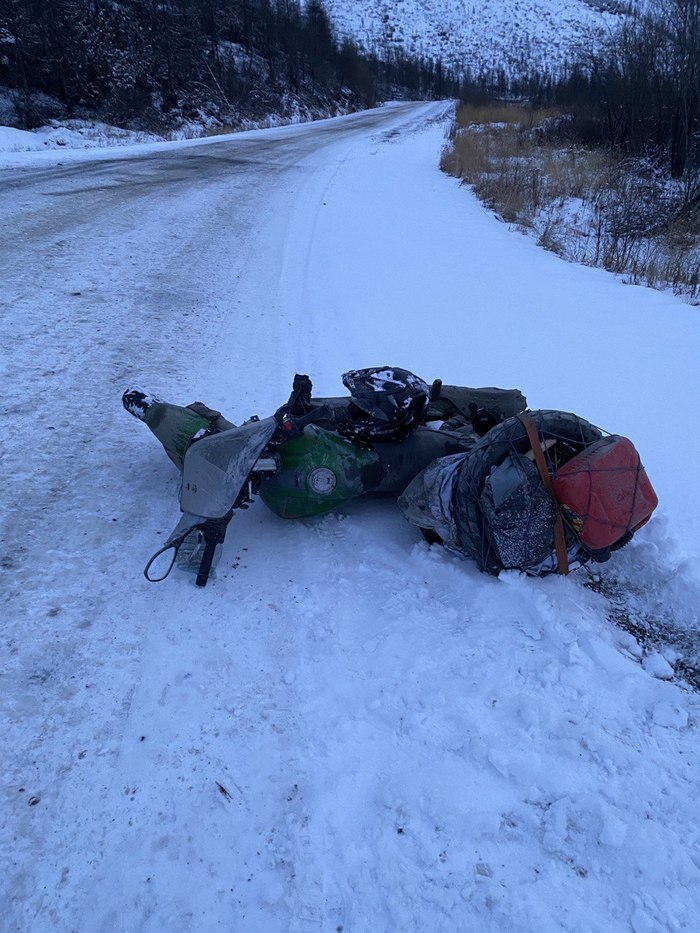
71 134
66 135
95 141
347 729
12 140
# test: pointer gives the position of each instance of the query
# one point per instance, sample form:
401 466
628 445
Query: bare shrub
516 114
586 205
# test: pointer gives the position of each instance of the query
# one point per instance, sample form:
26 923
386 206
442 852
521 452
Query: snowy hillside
478 34
347 730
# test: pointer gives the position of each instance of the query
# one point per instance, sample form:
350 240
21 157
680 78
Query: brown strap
559 536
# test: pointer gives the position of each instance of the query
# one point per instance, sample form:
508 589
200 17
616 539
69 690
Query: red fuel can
604 492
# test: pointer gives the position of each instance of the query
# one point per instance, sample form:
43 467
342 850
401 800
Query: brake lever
187 525
175 546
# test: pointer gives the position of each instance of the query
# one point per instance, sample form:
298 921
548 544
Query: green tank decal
318 471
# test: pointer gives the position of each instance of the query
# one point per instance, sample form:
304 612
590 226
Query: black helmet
386 402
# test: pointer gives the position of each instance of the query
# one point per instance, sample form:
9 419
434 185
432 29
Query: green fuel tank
317 472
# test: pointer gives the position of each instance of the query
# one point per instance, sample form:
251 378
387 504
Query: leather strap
559 535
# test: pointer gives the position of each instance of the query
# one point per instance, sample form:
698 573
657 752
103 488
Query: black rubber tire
489 452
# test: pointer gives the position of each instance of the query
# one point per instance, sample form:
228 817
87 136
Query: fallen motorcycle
537 491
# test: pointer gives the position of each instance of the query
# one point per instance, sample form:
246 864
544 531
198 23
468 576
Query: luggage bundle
542 492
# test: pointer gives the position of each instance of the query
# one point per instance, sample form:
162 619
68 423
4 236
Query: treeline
639 95
129 59
642 96
601 161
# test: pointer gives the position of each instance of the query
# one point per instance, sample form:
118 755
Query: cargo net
506 516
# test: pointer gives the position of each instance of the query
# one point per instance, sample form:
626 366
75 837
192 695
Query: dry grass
501 112
583 204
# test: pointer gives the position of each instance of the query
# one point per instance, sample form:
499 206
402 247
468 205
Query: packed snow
347 729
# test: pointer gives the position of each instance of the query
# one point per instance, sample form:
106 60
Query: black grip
436 390
214 530
207 558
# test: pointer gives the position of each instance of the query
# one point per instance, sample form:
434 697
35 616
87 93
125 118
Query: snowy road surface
346 729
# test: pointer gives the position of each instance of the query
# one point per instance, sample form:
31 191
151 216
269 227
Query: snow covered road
347 729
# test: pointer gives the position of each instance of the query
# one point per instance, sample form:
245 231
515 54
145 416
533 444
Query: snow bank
12 140
71 134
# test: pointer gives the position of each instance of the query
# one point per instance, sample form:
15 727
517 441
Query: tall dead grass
586 205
